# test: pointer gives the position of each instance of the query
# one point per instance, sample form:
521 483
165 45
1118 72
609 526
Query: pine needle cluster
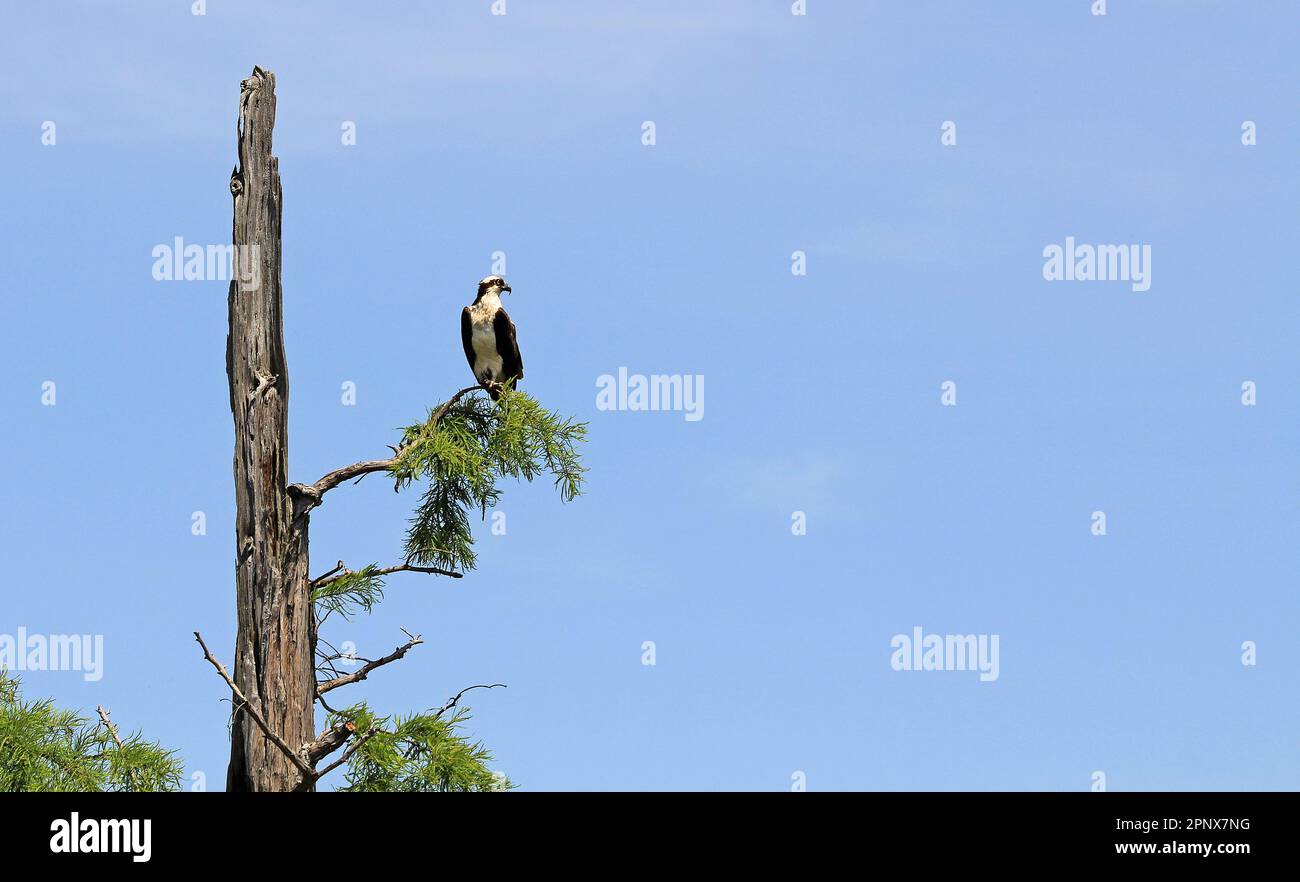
465 452
420 753
43 748
462 450
349 594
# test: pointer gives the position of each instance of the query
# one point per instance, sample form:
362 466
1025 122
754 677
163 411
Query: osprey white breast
488 365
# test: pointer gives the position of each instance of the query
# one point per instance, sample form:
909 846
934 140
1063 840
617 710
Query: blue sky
775 133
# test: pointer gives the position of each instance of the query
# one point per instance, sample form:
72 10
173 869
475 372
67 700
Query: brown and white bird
489 338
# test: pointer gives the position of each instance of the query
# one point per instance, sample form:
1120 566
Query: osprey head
493 285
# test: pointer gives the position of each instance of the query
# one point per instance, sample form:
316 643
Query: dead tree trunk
273 667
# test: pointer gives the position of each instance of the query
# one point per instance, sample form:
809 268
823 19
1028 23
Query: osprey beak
506 288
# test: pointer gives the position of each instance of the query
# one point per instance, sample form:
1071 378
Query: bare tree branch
253 713
338 476
112 731
323 704
347 755
327 661
323 576
364 671
412 568
310 495
335 574
455 699
329 741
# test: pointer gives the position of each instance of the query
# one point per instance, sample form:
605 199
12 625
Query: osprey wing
512 364
466 338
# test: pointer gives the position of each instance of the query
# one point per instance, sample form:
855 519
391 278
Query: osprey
489 338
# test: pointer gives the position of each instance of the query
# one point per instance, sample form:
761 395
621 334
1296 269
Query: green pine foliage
462 450
421 753
349 593
43 748
465 453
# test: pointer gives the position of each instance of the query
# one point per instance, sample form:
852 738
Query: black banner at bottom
333 831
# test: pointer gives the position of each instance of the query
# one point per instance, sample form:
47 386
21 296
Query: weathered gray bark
273 666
